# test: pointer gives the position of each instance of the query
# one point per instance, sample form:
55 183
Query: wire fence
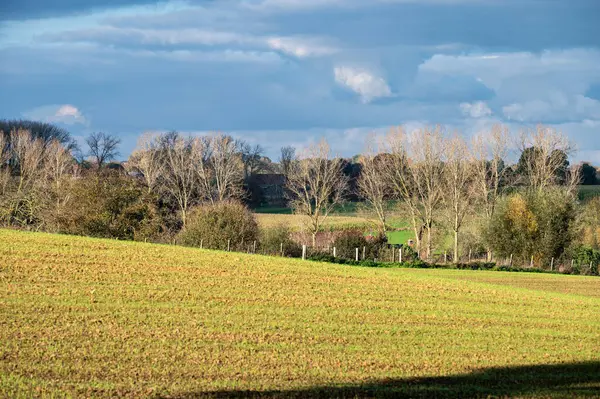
403 254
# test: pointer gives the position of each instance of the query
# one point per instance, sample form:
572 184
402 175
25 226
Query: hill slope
90 317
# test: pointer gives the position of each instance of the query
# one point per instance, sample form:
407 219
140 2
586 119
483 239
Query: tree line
440 181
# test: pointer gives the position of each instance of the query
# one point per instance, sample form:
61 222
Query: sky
288 72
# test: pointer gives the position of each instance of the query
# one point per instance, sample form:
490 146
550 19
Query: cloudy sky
279 72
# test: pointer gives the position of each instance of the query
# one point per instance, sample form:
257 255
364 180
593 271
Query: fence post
531 263
400 255
228 245
572 263
254 249
304 252
334 252
282 250
552 264
364 252
201 244
357 254
469 256
445 257
511 256
591 263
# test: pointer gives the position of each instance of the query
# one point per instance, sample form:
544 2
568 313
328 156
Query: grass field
296 221
588 192
102 318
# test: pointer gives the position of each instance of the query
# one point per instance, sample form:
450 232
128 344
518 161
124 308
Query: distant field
588 192
400 237
296 221
102 318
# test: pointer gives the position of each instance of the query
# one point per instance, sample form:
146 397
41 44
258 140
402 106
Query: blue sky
278 72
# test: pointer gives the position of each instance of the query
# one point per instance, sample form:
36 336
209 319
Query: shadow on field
563 380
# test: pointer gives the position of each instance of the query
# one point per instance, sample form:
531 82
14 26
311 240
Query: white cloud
299 47
576 67
529 87
367 85
149 36
285 5
477 109
557 106
67 114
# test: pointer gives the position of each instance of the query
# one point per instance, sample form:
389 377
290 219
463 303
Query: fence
391 254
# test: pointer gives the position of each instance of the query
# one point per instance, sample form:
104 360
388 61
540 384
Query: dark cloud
33 9
526 25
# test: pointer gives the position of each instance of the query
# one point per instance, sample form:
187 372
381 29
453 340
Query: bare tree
148 160
372 185
228 168
180 178
414 172
458 185
490 151
103 147
544 159
288 154
28 157
59 164
252 158
316 183
5 174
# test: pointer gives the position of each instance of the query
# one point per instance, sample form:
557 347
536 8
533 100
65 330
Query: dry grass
296 222
100 318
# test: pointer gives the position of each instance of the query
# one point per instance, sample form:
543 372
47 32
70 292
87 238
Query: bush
583 257
346 243
109 205
213 225
271 240
535 224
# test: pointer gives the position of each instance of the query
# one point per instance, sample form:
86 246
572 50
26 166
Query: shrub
346 243
272 239
583 257
535 224
110 205
214 225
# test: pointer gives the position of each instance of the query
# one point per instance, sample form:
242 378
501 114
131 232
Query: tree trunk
455 256
428 242
183 217
314 239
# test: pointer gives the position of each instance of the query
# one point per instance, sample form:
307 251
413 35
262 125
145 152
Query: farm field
104 318
295 222
588 192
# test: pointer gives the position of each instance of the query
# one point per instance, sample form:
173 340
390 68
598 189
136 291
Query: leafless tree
148 160
458 185
180 178
414 172
59 164
372 185
252 158
103 147
288 154
316 184
28 157
5 174
544 160
227 167
490 152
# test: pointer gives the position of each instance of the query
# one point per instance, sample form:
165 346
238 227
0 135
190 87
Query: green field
588 192
86 317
